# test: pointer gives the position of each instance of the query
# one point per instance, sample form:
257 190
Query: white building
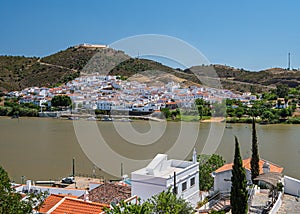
222 176
104 105
159 175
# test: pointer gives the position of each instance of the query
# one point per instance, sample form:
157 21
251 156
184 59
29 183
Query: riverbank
289 120
232 120
214 120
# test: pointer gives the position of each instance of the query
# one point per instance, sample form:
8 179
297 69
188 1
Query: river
43 148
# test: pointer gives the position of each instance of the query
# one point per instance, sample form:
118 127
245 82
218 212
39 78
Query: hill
18 72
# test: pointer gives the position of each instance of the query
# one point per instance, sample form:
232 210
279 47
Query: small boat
73 118
228 127
107 119
92 119
15 116
263 123
125 120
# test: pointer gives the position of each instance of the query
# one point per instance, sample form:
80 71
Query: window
193 181
183 186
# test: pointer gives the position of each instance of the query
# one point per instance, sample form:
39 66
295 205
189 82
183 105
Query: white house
222 176
161 174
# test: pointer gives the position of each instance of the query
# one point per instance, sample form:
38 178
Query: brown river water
43 148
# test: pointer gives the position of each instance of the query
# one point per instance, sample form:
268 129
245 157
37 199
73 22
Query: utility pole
121 169
175 187
73 167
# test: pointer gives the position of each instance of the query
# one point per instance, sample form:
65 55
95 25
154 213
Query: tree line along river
43 148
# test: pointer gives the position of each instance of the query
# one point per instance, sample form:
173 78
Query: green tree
61 101
200 111
166 112
282 90
203 107
175 113
267 115
230 111
166 203
10 201
199 102
128 208
255 156
239 193
239 111
219 109
207 165
285 112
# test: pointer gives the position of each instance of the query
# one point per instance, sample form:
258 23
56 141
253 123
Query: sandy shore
214 120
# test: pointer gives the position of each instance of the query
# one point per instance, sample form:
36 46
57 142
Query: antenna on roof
289 61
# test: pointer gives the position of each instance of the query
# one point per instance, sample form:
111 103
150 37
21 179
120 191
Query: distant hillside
243 80
18 72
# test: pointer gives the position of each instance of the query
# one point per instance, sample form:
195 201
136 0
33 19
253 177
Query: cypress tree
239 193
255 156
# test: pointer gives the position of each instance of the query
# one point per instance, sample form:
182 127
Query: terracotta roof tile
247 165
109 192
50 202
76 206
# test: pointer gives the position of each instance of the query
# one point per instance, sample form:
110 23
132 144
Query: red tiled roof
76 206
50 202
70 205
247 165
109 192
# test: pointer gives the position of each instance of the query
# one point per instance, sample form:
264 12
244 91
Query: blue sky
245 34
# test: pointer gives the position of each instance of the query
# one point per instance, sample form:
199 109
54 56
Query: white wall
277 204
291 186
53 190
146 186
186 176
222 180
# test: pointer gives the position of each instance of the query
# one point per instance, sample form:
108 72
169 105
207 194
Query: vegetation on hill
13 70
276 106
87 59
17 73
72 58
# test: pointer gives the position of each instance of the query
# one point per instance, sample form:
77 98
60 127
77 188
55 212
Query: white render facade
222 180
158 176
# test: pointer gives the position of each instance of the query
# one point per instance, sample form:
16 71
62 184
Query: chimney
28 184
266 167
86 196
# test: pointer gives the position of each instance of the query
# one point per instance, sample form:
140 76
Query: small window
193 181
183 186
